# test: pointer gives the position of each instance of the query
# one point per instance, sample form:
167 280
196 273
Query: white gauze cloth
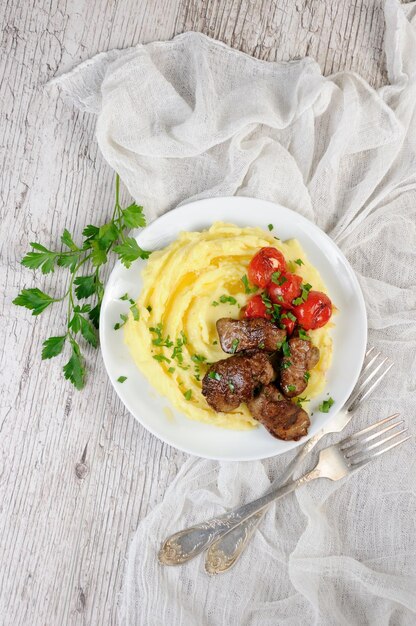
191 118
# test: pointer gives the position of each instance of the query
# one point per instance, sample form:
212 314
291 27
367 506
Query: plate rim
292 445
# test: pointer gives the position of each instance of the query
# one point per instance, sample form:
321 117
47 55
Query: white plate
349 335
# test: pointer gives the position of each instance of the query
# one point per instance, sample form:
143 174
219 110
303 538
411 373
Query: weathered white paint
77 472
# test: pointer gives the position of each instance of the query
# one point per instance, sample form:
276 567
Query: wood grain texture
77 472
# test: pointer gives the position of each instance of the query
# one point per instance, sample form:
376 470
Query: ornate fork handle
188 543
226 548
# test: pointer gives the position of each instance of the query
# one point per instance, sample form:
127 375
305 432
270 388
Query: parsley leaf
130 251
74 369
188 394
133 216
53 346
299 262
234 345
121 379
246 284
34 300
86 286
214 375
270 227
304 335
286 348
306 376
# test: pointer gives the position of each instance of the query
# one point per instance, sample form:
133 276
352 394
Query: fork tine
370 362
355 437
364 451
369 351
357 398
350 447
355 466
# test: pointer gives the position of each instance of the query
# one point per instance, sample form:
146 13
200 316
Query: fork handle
225 551
188 543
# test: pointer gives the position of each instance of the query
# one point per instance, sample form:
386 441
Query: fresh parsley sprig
82 319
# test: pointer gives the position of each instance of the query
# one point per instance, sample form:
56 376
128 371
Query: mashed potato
176 335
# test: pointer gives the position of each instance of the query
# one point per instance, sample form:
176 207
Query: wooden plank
77 472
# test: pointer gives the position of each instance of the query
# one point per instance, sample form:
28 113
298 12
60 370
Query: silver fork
191 542
335 462
226 550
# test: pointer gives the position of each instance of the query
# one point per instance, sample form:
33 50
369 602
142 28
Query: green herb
118 325
234 345
289 315
214 375
215 342
188 394
275 278
125 297
305 291
246 284
326 405
270 227
261 346
306 376
277 238
299 262
98 242
135 312
286 348
285 365
290 387
231 386
121 379
304 335
160 358
160 340
280 298
297 301
171 370
267 302
198 358
301 400
229 299
149 308
214 303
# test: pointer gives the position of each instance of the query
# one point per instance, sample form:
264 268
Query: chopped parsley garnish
304 335
224 299
280 298
261 346
231 386
286 348
278 239
214 375
286 364
149 308
171 370
125 297
124 319
305 289
306 376
270 227
301 400
160 358
198 358
234 345
215 342
326 405
246 284
266 301
188 394
215 303
160 340
135 312
299 262
289 315
121 379
290 387
275 277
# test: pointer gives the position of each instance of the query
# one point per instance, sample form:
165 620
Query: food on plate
251 334
231 381
211 293
295 367
315 312
282 418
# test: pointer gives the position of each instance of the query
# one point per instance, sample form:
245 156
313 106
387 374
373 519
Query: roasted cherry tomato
256 308
315 312
263 264
288 324
286 289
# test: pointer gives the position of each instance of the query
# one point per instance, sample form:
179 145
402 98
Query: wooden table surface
77 472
